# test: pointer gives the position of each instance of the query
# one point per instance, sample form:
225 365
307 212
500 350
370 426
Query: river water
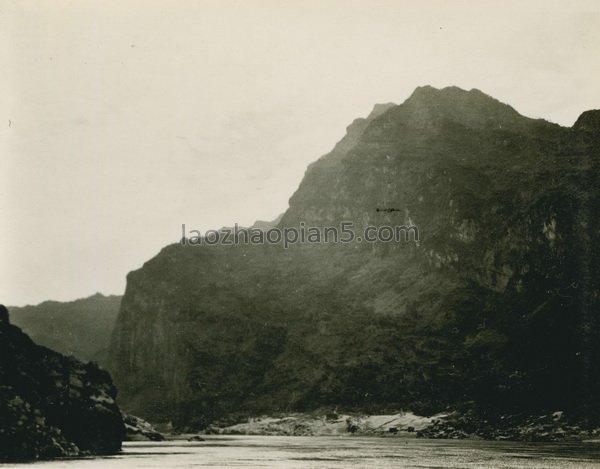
338 452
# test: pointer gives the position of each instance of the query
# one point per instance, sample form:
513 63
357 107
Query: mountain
81 328
52 405
494 307
266 225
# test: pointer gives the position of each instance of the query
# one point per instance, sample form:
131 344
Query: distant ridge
81 328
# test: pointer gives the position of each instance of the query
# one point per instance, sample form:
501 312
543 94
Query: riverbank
332 424
554 427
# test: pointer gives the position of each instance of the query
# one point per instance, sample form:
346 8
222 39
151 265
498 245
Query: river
338 452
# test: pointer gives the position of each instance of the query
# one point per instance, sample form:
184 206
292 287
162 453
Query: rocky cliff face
496 305
81 328
52 405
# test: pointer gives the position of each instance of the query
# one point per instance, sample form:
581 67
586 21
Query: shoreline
331 424
553 427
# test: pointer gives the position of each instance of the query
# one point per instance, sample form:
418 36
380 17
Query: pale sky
122 119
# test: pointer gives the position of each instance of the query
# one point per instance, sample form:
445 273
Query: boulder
137 429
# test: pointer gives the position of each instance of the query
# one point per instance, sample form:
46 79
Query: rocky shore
52 405
454 425
327 425
548 427
137 429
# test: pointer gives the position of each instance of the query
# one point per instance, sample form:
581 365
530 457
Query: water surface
339 452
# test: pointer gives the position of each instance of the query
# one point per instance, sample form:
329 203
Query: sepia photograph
300 234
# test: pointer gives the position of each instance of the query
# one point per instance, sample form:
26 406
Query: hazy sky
124 119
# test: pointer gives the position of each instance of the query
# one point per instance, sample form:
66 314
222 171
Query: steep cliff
52 405
495 305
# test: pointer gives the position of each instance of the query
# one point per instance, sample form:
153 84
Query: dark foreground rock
137 429
52 405
548 427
